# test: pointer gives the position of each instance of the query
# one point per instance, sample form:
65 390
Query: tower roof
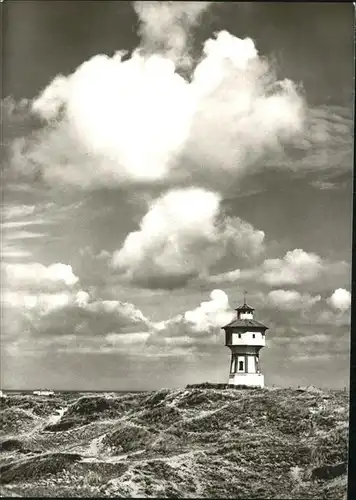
244 307
245 323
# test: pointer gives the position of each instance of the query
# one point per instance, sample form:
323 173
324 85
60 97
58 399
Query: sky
159 158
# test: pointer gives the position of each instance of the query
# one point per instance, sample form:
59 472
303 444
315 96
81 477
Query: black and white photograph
176 248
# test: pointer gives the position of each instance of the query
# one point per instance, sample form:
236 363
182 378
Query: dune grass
193 442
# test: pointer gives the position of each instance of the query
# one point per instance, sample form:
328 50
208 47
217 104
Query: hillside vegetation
195 442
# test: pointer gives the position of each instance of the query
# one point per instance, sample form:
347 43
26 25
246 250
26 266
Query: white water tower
245 337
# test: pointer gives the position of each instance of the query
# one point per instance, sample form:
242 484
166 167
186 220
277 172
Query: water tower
245 337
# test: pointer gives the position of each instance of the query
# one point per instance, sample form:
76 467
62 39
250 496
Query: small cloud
9 252
15 211
82 298
316 338
20 224
22 235
128 339
340 300
339 318
326 141
296 267
291 300
196 327
41 302
210 314
229 276
311 358
35 275
324 185
165 27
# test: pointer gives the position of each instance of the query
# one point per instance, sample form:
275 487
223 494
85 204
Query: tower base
247 379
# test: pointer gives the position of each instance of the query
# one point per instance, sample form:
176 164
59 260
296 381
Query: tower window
253 335
239 335
241 366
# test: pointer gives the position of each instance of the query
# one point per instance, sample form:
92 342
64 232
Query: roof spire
245 294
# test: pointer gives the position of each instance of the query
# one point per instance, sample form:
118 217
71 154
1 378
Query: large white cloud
138 119
182 235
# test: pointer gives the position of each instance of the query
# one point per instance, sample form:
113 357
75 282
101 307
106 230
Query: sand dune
279 443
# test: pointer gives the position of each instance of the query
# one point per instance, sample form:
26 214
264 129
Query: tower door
241 364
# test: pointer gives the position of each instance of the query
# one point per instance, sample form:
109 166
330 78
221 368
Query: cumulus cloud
137 119
82 298
41 302
116 307
291 300
52 99
340 300
85 319
32 290
181 236
74 322
296 267
165 27
35 275
210 314
197 327
85 324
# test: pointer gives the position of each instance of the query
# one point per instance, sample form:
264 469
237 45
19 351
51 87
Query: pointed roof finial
245 306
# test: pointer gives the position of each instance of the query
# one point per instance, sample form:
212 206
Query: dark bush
159 416
11 445
13 420
156 398
127 438
329 471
